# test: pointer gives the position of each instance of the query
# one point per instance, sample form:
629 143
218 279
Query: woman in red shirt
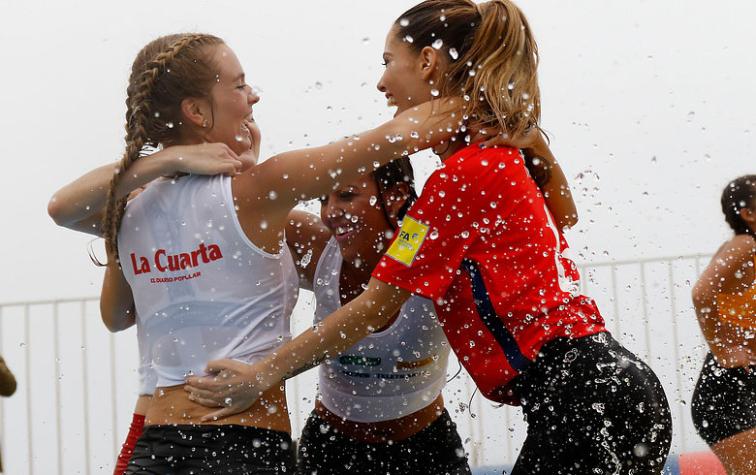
482 244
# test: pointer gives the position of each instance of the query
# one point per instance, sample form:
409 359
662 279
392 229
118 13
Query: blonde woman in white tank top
187 90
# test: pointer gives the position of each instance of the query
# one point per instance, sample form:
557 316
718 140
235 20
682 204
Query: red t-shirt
481 243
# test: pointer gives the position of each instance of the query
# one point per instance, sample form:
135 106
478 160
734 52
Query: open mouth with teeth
342 233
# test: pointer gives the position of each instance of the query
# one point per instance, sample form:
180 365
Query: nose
253 98
330 211
381 87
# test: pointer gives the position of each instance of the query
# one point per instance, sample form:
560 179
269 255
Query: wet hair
493 58
165 72
390 175
738 194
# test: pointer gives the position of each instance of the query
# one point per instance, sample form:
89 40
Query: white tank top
202 289
388 374
147 376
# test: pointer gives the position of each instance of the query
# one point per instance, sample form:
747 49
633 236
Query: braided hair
166 71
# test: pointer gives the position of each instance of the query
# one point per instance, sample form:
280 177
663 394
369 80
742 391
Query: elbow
9 388
115 325
55 211
116 322
570 220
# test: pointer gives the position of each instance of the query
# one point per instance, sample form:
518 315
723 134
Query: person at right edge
724 401
7 387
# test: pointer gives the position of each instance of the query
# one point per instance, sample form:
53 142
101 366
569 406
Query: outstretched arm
235 386
301 175
79 205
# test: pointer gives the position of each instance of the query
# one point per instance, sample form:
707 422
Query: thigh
738 452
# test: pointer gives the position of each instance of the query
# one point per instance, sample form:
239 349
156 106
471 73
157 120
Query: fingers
216 366
204 401
198 393
220 414
209 383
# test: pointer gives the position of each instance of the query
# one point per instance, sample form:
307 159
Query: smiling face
228 117
406 79
357 220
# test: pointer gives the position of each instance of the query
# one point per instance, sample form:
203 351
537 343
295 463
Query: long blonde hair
493 58
166 71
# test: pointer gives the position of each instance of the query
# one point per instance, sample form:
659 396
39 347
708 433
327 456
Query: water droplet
373 200
435 93
408 39
453 53
404 22
438 44
640 450
169 125
272 195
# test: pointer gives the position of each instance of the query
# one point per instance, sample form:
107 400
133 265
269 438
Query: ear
429 61
394 199
748 216
196 111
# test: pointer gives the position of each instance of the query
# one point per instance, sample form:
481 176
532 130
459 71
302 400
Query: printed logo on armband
407 244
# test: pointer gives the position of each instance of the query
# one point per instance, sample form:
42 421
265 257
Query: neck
447 150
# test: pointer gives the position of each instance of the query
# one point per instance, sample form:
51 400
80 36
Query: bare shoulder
306 236
741 247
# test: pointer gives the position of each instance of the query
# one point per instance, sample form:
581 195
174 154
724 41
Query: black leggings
435 450
207 449
592 407
724 402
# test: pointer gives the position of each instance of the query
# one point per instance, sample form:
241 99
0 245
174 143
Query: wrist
168 160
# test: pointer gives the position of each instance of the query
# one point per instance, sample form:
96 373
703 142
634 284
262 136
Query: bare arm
306 237
237 385
306 174
730 270
7 380
551 180
79 204
116 300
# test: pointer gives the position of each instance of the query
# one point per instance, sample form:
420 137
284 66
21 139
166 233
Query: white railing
77 382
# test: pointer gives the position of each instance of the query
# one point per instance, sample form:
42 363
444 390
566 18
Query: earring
204 123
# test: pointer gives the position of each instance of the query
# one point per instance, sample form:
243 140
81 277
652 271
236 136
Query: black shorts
208 449
724 401
435 450
592 407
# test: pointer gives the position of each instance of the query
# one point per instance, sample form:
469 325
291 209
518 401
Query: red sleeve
474 193
435 234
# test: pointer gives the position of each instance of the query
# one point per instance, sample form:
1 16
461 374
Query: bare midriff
383 431
143 404
171 406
